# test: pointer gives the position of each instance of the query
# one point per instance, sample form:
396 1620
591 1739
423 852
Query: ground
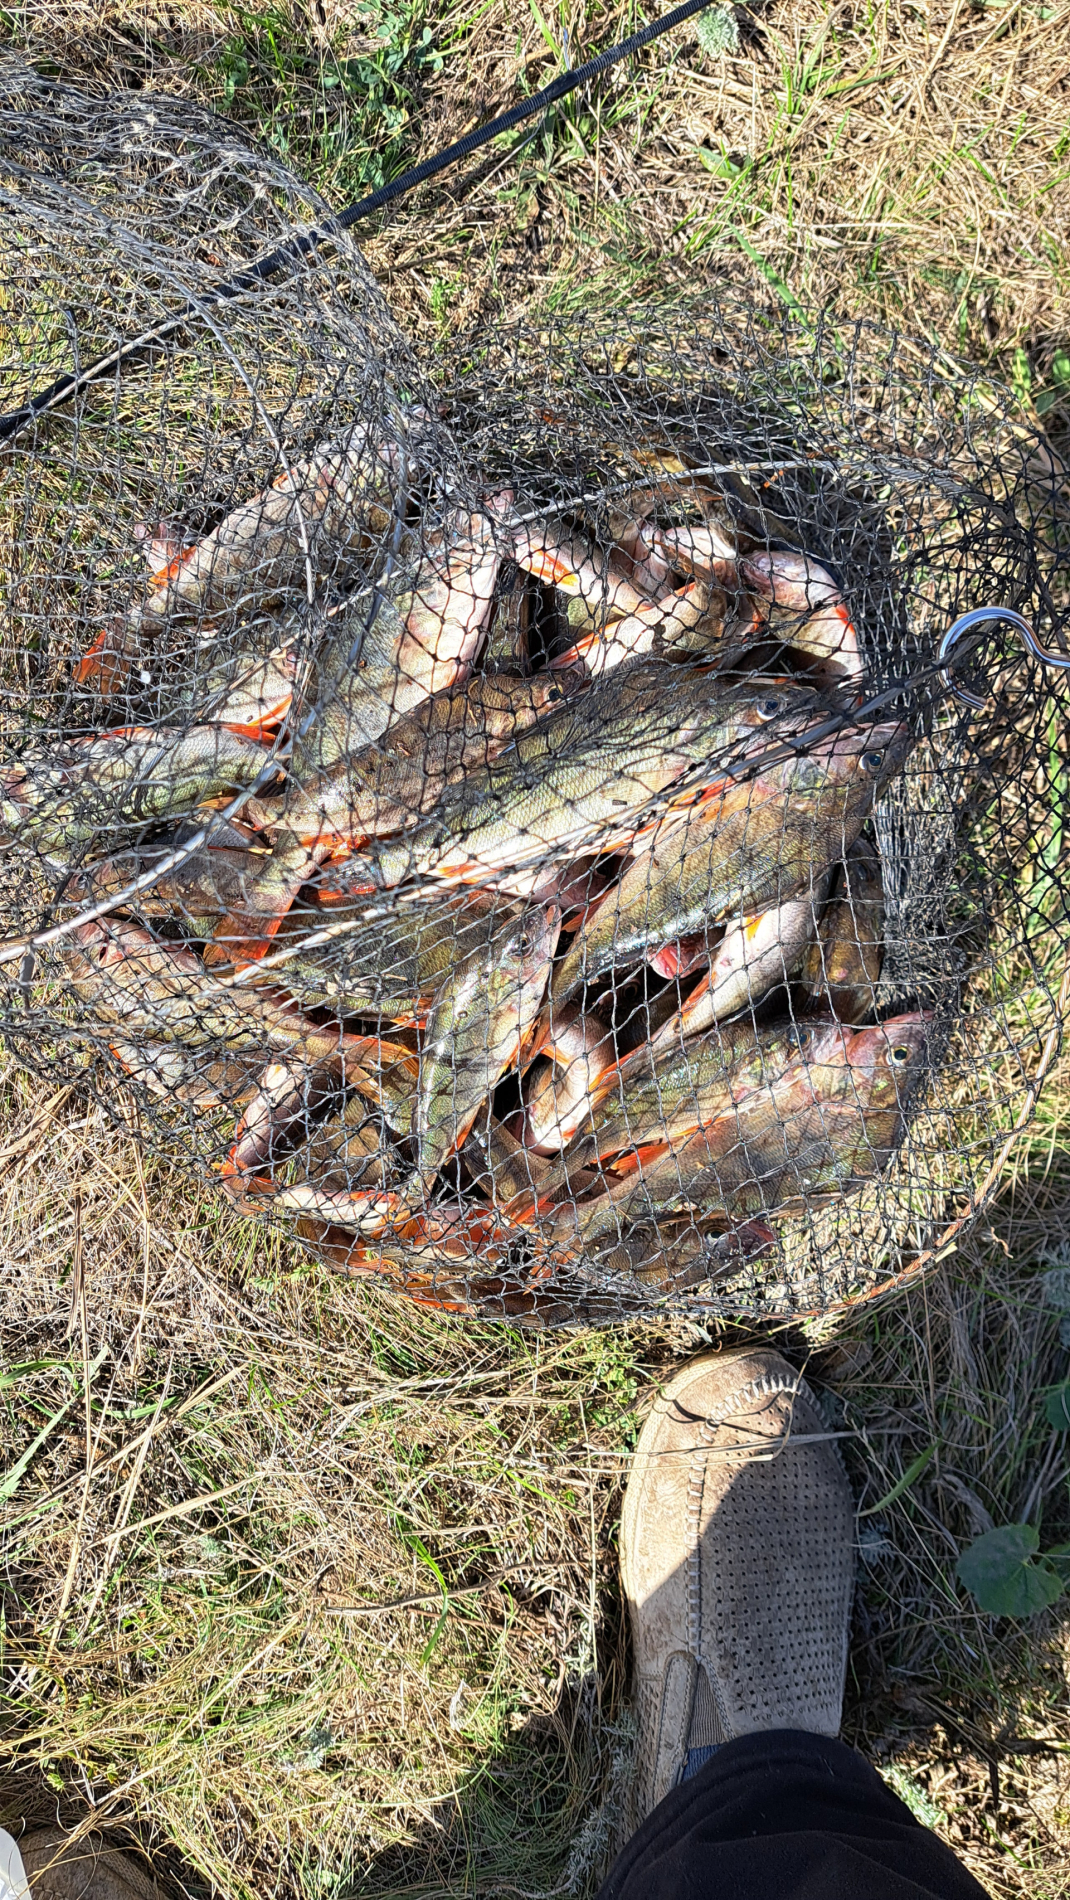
309 1591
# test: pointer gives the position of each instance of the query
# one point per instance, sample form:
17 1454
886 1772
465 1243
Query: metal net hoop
185 940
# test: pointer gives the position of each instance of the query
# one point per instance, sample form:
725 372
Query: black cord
304 242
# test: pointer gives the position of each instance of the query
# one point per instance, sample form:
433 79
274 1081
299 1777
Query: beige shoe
737 1558
58 1868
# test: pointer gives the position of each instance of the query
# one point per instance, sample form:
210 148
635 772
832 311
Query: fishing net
499 812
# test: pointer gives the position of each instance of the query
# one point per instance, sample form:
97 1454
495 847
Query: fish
352 1146
391 646
331 504
345 1170
412 1251
392 960
127 779
367 1208
476 1028
289 1097
575 885
707 552
116 659
218 878
388 784
261 899
798 582
181 1075
755 954
749 847
843 965
311 1111
328 510
500 1165
688 621
160 542
682 957
595 587
661 1096
245 691
163 991
680 1253
633 546
212 681
756 1126
521 1183
557 1096
507 645
370 1208
581 779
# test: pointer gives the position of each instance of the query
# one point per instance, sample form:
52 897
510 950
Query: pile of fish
533 920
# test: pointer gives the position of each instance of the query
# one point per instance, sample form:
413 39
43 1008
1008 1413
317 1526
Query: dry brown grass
330 1600
908 161
313 1591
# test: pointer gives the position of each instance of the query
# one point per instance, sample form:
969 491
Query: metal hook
977 617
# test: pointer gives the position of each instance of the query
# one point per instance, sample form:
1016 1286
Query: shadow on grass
539 1815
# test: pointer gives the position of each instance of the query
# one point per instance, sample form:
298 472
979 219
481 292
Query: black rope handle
303 243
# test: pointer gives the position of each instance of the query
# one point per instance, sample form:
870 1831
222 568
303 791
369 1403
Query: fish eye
768 708
872 762
899 1055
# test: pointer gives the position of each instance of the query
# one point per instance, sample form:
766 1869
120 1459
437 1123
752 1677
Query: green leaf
909 1477
770 275
999 1571
11 1479
1021 374
544 29
415 1544
918 1800
721 164
13 1374
1057 1406
1059 1559
1060 366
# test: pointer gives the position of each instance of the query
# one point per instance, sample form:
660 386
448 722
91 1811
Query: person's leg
737 1556
783 1815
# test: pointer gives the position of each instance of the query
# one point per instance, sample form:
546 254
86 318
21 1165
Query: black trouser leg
786 1816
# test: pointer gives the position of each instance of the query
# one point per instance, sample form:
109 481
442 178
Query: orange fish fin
241 937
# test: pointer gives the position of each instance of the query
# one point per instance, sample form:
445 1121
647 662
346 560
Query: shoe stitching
745 1400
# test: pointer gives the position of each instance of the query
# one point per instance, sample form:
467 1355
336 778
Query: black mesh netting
447 796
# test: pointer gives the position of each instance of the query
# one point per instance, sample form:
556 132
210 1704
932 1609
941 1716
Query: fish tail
241 938
239 1185
109 662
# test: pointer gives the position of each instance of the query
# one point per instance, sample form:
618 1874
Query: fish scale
577 778
754 845
745 1124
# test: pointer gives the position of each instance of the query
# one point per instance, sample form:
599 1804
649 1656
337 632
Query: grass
343 1606
306 1591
